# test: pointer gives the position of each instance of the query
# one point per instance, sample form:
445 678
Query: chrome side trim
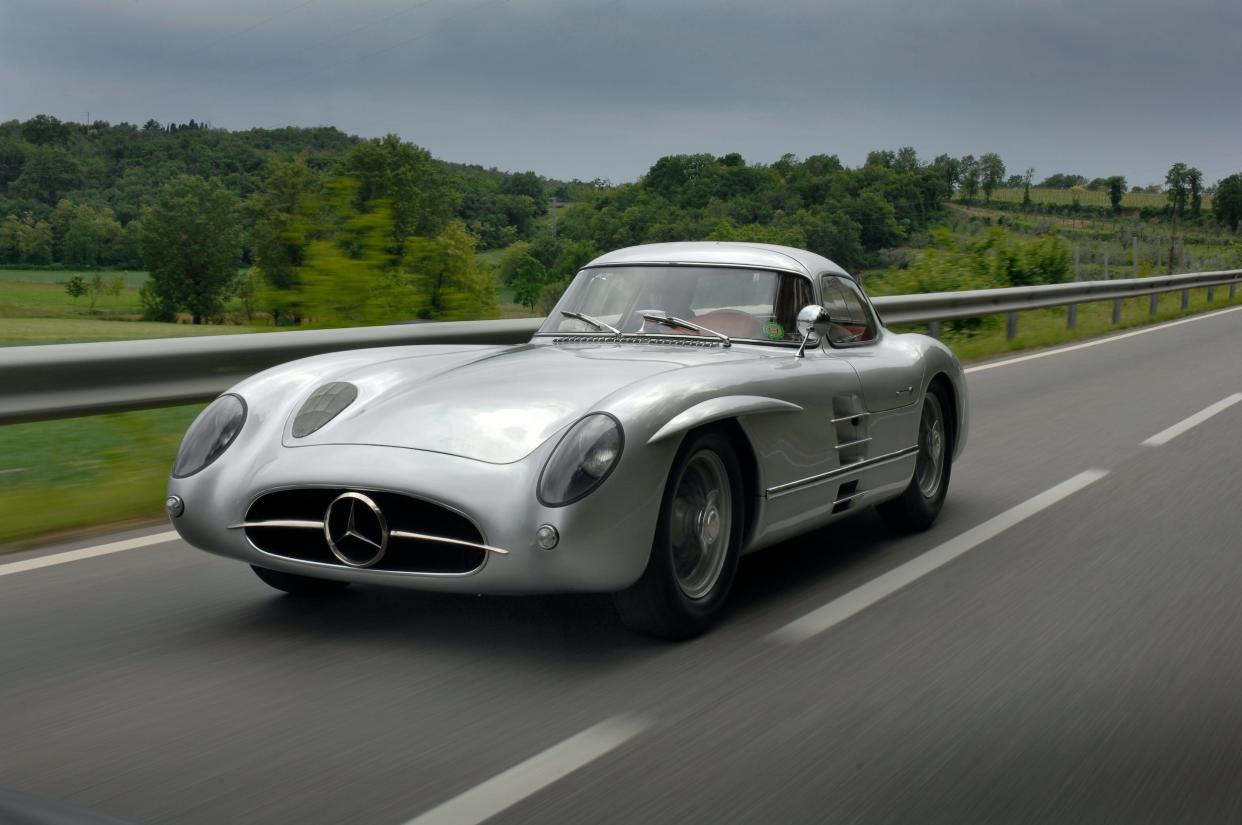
850 497
850 417
845 444
841 472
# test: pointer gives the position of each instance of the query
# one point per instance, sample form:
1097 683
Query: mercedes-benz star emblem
356 530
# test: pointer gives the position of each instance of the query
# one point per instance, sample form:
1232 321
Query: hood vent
323 405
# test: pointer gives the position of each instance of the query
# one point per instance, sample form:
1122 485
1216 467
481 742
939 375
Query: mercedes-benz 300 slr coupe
682 405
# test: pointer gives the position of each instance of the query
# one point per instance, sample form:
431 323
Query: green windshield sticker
774 330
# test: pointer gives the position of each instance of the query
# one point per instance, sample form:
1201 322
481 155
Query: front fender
717 409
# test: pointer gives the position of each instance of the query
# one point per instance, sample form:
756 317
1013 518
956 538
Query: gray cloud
572 88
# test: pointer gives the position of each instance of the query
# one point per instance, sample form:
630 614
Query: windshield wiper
672 321
595 322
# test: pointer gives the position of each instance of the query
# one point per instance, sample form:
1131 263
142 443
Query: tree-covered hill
311 225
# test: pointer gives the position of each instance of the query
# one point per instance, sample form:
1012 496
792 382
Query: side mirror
812 320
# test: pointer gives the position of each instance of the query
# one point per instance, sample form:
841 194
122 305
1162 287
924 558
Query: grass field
133 278
1131 200
46 297
35 309
21 331
113 468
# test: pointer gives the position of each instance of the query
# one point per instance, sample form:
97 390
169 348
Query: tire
697 543
298 585
919 505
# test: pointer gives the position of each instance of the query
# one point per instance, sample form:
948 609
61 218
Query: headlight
210 435
583 459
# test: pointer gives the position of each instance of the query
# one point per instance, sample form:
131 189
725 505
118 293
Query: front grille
309 506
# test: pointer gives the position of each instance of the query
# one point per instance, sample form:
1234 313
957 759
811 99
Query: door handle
906 391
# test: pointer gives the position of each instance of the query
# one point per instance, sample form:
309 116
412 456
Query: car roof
732 253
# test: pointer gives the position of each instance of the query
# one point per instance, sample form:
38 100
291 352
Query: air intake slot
323 405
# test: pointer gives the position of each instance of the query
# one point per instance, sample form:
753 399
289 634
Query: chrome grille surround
423 537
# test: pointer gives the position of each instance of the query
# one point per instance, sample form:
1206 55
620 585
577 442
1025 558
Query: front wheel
697 543
919 505
298 585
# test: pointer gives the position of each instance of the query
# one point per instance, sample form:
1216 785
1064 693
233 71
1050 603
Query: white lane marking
86 553
1165 436
503 790
860 598
1096 342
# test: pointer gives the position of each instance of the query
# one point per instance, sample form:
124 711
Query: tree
418 192
1062 180
45 130
114 287
1177 189
12 158
992 169
96 288
191 245
968 173
75 287
907 160
877 218
1026 185
1227 202
528 279
528 184
347 278
47 175
1194 186
448 281
1116 191
284 219
948 169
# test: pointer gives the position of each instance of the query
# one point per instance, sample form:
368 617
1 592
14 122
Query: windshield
745 304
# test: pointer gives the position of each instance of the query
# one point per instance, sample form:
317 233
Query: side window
851 321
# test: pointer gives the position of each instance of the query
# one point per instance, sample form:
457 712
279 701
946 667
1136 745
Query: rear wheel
697 543
920 503
298 585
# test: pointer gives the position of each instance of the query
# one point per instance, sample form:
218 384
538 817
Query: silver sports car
682 405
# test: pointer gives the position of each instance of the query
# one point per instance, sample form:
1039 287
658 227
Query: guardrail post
1211 294
1011 326
1155 302
1072 320
1233 290
1117 311
933 329
1185 298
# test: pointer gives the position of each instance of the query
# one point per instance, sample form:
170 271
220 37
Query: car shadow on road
576 630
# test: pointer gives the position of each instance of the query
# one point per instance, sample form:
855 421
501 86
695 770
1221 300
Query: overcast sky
602 88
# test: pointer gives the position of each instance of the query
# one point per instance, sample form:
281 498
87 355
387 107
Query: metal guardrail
64 380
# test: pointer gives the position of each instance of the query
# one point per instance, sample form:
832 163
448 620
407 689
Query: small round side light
546 537
174 506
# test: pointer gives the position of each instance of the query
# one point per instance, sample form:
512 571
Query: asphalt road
1064 657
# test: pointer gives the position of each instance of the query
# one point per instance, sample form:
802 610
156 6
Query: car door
888 369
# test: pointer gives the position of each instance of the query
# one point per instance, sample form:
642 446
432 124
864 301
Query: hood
493 406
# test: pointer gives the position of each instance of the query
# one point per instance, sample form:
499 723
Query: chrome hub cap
929 469
701 524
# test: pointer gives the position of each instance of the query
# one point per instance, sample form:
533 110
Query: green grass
61 475
82 472
49 299
1131 200
21 331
